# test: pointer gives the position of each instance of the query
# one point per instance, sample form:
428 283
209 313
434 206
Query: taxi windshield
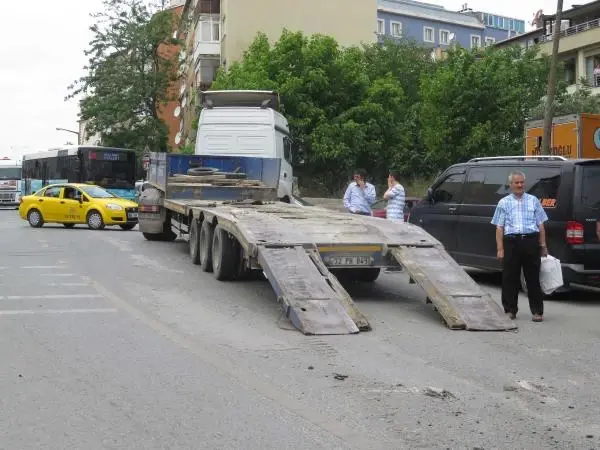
97 192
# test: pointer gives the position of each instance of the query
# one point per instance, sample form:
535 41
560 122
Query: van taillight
574 233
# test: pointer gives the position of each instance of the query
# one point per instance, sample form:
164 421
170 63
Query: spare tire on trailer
202 171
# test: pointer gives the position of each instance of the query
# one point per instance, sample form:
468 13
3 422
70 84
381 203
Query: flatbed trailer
234 227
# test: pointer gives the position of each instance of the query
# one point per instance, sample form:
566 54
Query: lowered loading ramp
461 301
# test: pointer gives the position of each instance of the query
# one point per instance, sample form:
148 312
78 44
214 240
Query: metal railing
575 29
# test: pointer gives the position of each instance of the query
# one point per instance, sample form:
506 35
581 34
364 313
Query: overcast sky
42 53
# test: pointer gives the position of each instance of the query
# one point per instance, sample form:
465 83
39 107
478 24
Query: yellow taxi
73 203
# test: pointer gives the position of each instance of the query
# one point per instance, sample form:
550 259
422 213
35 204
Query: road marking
56 275
48 297
42 267
67 284
17 312
262 386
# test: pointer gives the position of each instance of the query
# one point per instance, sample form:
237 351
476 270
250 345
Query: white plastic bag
550 274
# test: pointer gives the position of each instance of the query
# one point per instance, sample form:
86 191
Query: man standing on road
520 242
395 197
359 195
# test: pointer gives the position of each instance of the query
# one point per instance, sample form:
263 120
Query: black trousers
521 252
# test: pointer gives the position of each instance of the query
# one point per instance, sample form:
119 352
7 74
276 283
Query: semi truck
573 136
11 185
229 211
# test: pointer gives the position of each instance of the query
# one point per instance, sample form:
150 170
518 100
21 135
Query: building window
380 26
428 34
444 37
396 28
475 41
489 41
210 31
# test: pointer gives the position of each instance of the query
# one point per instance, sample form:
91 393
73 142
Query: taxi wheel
68 225
35 219
95 221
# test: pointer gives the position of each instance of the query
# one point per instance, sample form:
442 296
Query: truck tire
224 255
153 236
205 246
195 242
368 275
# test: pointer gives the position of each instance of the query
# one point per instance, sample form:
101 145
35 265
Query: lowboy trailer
226 208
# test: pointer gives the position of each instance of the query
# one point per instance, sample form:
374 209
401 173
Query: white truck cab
246 123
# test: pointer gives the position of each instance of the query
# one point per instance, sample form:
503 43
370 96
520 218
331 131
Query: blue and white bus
112 168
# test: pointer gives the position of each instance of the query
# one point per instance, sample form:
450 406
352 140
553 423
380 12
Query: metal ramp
458 298
313 299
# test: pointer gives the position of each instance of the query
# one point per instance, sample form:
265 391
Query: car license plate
132 215
349 261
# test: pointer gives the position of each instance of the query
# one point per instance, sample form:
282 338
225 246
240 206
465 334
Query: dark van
459 206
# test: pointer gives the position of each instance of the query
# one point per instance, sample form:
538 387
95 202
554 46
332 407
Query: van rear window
590 189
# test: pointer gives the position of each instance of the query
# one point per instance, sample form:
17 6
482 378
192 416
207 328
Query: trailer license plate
132 215
349 260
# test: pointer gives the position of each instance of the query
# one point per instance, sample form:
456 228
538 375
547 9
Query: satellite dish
177 111
182 89
451 37
178 138
181 126
184 101
175 35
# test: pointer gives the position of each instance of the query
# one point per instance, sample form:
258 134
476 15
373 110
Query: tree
581 100
475 103
347 107
128 76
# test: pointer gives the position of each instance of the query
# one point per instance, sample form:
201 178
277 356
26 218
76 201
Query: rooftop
428 11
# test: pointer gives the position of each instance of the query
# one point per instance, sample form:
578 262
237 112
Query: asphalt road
110 341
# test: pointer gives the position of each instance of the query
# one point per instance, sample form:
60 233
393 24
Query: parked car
72 203
460 204
379 210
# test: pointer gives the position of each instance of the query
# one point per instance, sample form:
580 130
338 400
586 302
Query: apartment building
579 46
217 32
434 26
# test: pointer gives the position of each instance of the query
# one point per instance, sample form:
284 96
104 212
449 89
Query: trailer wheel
205 247
152 236
368 275
224 255
195 242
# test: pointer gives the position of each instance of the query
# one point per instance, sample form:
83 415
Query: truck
247 123
11 185
574 136
227 208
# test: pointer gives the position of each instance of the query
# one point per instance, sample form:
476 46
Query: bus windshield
10 173
110 168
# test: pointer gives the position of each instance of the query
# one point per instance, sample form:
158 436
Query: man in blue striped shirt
359 195
520 242
395 197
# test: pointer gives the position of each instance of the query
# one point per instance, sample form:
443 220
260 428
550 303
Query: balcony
574 37
207 40
207 49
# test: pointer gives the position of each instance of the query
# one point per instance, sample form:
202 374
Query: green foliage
128 75
581 100
475 103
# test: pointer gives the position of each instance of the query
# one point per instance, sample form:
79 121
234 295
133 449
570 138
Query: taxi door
70 209
49 204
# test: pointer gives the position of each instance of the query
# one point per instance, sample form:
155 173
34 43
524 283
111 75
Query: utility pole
551 90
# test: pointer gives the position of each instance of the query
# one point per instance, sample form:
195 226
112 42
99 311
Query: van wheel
206 241
35 219
194 242
224 255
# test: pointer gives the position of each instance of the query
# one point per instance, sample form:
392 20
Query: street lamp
70 131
